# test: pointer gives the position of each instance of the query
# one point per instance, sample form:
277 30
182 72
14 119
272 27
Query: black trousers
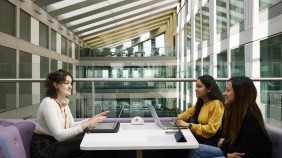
71 149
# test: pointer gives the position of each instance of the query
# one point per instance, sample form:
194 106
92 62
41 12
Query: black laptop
106 127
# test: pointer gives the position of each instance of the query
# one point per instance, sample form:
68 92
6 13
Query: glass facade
43 35
8 24
271 57
25 28
238 62
206 66
264 4
236 11
198 32
64 45
209 49
25 65
44 67
54 65
7 70
221 17
198 68
53 40
222 65
205 23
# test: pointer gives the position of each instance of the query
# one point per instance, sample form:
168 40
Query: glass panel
25 65
236 11
53 40
205 22
221 19
25 26
206 66
238 62
76 51
198 68
54 65
25 94
271 57
198 31
44 67
8 18
43 35
189 37
69 48
7 62
263 4
64 45
222 65
7 97
65 66
70 69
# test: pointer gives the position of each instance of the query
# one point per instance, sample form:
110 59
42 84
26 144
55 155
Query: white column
34 27
35 75
251 13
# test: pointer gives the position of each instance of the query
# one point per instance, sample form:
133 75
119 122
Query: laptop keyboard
105 125
168 124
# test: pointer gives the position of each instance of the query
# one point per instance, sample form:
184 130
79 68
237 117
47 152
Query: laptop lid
155 116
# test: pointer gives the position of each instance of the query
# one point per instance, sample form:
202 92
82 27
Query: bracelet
189 126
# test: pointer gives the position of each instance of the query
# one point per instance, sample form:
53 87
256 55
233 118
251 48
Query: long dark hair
59 77
245 95
214 94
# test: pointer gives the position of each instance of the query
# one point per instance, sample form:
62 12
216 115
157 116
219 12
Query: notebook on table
106 127
163 125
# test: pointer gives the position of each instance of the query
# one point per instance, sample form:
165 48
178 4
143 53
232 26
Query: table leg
139 154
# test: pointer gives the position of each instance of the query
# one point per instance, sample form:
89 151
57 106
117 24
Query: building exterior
222 38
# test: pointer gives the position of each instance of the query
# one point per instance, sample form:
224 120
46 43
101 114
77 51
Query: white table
137 137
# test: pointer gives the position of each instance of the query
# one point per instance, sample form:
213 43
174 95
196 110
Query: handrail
133 80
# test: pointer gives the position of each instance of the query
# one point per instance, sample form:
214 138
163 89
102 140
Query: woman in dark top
243 127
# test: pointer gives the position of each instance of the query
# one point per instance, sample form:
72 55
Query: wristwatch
190 125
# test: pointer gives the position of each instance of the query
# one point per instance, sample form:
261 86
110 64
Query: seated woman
56 134
244 134
204 118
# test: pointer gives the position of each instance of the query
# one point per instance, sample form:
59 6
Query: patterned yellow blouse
209 118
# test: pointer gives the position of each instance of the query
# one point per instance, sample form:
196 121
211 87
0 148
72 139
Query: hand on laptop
94 120
181 122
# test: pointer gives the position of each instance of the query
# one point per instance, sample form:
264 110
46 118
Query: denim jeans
205 151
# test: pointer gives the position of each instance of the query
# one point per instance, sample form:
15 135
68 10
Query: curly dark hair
214 94
59 77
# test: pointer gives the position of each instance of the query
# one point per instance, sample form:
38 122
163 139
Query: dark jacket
253 140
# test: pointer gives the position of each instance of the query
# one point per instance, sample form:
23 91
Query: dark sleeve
251 140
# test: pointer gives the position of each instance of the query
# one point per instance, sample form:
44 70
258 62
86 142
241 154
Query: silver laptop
106 127
163 125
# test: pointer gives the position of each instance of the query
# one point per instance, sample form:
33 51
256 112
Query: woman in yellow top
205 117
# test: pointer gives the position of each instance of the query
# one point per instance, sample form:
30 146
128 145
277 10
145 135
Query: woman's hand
235 155
95 119
181 122
220 142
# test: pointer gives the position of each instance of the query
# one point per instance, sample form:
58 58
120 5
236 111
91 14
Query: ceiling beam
73 7
132 22
132 28
108 16
121 19
93 12
42 3
128 35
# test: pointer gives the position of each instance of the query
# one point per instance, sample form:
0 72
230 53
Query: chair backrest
275 134
11 145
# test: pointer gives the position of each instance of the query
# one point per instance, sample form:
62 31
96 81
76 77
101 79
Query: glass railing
20 98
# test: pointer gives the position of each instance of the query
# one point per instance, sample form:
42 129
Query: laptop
106 127
163 125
